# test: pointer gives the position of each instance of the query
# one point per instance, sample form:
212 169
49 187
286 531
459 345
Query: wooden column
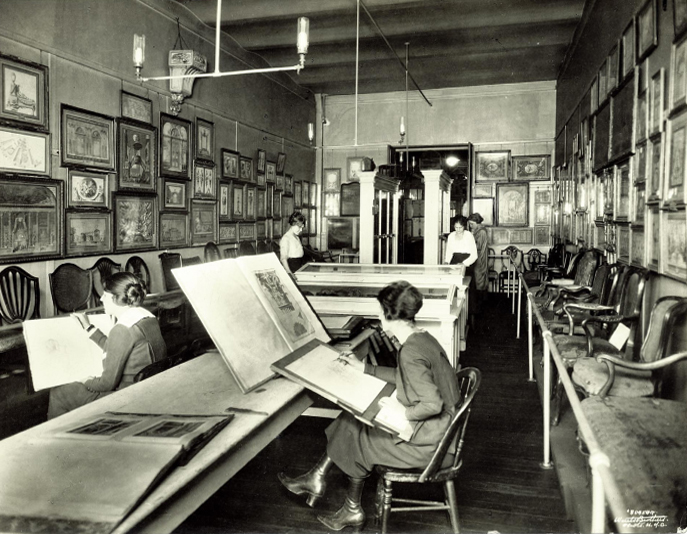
369 185
437 210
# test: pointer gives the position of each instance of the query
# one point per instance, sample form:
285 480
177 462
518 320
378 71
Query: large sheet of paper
60 351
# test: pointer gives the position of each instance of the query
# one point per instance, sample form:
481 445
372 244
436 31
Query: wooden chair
102 269
71 288
491 268
231 252
263 247
584 274
246 248
169 261
469 379
136 265
531 262
19 296
516 258
211 252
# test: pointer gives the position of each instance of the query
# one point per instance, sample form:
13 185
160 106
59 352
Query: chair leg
450 490
386 505
557 404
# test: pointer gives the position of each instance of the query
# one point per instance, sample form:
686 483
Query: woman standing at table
134 342
291 251
462 243
427 391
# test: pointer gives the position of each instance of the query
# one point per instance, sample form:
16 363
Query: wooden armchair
584 274
71 288
515 255
19 296
318 255
211 252
532 260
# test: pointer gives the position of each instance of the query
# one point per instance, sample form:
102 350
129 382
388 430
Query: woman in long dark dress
427 390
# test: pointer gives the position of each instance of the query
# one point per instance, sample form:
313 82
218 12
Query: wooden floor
502 487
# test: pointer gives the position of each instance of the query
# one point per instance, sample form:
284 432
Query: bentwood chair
19 296
136 265
71 288
469 380
211 252
102 269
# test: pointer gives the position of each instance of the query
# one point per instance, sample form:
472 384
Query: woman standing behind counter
291 251
462 243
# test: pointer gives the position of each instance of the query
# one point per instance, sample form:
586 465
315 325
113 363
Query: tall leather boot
351 514
312 483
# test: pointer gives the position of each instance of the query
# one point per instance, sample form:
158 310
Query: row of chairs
528 262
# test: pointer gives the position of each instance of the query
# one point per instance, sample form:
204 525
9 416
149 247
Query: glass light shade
311 131
452 161
139 50
303 35
402 128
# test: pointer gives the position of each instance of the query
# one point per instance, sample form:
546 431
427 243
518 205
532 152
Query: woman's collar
133 315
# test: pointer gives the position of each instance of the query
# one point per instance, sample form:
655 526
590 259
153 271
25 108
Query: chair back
556 256
534 258
515 256
571 266
71 288
584 274
102 269
263 247
19 296
192 260
491 259
469 379
630 305
607 282
169 261
136 265
211 252
230 252
246 248
667 312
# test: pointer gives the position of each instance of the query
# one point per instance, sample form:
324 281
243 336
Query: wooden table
201 386
646 441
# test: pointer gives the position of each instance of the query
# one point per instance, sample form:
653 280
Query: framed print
312 221
286 206
288 184
678 74
332 205
136 108
594 94
623 243
343 234
657 102
269 199
279 184
512 202
88 189
24 152
639 207
87 233
281 162
204 180
136 219
637 248
246 169
622 138
639 166
627 64
541 236
230 164
250 204
175 147
260 230
647 30
485 207
174 230
262 160
674 244
655 172
529 168
622 180
87 139
203 221
493 166
679 17
174 196
313 194
350 199
237 196
297 193
261 203
542 196
542 214
675 156
500 236
24 92
224 201
137 158
613 68
261 179
276 227
642 115
354 166
247 232
276 205
603 81
522 237
30 219
654 239
271 173
482 191
602 139
228 233
205 140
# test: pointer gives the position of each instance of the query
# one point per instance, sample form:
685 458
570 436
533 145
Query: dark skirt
296 263
66 398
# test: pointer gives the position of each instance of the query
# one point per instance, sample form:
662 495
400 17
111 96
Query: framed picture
174 196
261 203
500 236
203 221
175 147
271 173
512 204
522 237
602 129
238 192
247 232
542 214
24 152
542 196
679 17
331 180
485 207
250 204
24 92
623 243
637 248
623 104
260 230
246 169
354 166
655 171
262 160
281 162
276 205
88 189
228 233
677 143
603 81
642 116
594 96
492 166
674 244
654 239
269 199
312 221
482 191
288 184
297 193
639 167
204 180
350 199
678 74
622 181
224 202
205 140
306 215
657 102
627 64
276 227
638 216
279 184
174 230
87 139
541 236
261 179
230 164
313 194
137 158
136 218
647 29
136 108
613 68
528 168
286 206
87 233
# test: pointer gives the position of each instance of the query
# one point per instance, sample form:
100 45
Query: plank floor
502 487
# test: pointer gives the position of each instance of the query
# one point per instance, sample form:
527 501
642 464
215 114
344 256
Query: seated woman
134 342
291 251
426 386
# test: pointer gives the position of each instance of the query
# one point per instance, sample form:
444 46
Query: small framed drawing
276 205
203 221
678 74
288 184
522 237
269 198
175 147
261 203
500 236
224 202
332 180
237 197
24 152
622 181
679 17
542 196
246 169
297 193
613 68
674 244
88 189
87 233
262 160
655 170
261 180
230 164
674 181
137 156
512 202
312 221
541 236
485 207
250 204
205 140
87 139
174 196
247 232
24 93
276 228
639 216
542 214
656 107
647 30
136 108
493 166
260 230
306 192
279 184
228 233
654 239
529 168
637 248
136 219
623 243
483 191
271 172
281 162
313 194
204 181
354 167
174 230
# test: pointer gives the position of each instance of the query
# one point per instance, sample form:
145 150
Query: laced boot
312 483
351 514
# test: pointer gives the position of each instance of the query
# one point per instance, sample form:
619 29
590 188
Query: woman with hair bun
134 342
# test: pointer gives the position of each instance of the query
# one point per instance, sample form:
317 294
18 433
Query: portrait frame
532 168
271 175
628 50
136 108
36 162
78 128
492 166
228 233
657 102
204 222
288 184
512 201
297 193
24 104
204 180
237 201
674 247
205 140
679 17
245 169
279 182
31 207
137 144
174 195
262 160
135 221
485 207
647 29
174 230
541 236
678 84
175 147
87 233
332 180
281 162
81 192
230 164
676 160
483 191
354 166
224 201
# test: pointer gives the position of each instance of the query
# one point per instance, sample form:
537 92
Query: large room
403 266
